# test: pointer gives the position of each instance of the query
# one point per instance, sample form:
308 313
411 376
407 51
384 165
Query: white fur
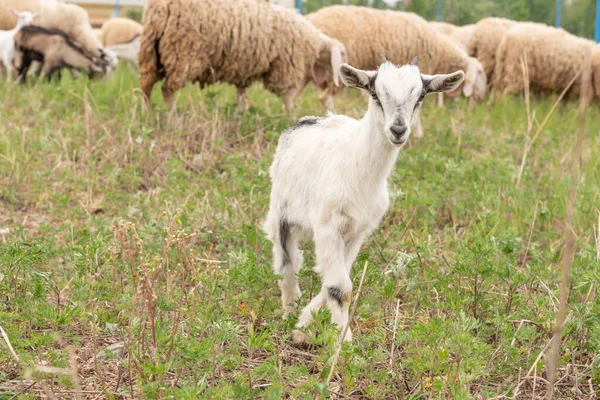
126 51
7 40
330 182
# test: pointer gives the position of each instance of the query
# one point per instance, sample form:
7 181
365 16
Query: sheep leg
287 261
146 84
418 127
8 66
289 97
242 106
168 96
327 100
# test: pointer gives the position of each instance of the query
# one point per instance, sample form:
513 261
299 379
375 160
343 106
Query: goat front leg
352 248
336 288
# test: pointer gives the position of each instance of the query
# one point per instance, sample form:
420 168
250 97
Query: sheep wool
462 37
485 40
120 31
233 41
443 27
70 18
553 55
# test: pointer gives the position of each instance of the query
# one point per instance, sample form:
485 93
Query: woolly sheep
329 182
554 57
70 18
7 40
119 31
233 41
368 33
485 40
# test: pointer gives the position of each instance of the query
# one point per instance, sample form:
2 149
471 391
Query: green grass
122 228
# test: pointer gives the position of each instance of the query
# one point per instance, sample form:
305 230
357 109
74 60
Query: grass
143 232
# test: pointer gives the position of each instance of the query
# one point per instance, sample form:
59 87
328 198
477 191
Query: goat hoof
299 339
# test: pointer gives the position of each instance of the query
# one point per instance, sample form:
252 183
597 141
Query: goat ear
356 78
382 59
13 11
442 83
415 62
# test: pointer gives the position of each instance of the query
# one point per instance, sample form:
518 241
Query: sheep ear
442 83
357 78
336 60
13 11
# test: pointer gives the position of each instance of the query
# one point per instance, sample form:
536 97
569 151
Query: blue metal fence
597 31
558 12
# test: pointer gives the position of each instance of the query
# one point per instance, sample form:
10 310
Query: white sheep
329 178
7 39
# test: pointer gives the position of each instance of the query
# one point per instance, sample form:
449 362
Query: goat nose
398 130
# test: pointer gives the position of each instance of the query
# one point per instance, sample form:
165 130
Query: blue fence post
597 31
439 10
117 8
558 12
299 6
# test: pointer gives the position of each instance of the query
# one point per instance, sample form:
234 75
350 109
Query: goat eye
421 97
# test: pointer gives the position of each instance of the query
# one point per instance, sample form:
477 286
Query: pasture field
143 233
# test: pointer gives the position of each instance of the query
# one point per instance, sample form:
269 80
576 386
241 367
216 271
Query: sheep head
332 54
476 80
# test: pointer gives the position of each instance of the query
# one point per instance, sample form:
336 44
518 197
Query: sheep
70 18
553 55
232 41
7 39
367 33
329 182
485 39
120 31
443 27
55 49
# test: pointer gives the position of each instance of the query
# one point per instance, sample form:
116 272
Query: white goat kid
329 179
7 39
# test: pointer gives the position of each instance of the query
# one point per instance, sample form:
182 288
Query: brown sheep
233 41
55 50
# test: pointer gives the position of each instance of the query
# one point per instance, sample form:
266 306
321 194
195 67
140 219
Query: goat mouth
398 141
